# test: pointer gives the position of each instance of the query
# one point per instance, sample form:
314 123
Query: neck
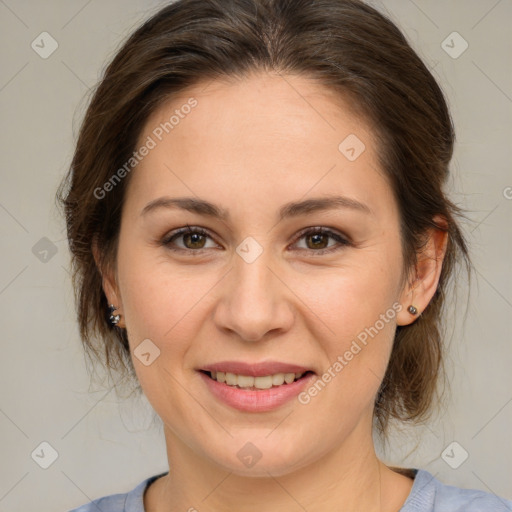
349 478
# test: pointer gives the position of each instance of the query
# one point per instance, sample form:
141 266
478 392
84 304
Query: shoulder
132 501
428 494
112 503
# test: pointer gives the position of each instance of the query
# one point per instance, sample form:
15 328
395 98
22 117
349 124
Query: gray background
105 445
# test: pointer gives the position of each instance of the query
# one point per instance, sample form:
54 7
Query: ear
109 282
420 291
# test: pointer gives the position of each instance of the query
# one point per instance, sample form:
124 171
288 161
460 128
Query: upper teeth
265 382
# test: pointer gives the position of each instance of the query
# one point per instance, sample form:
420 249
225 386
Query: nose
255 300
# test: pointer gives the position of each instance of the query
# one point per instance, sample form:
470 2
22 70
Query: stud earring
114 319
412 310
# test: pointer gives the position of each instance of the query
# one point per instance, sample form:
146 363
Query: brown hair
347 46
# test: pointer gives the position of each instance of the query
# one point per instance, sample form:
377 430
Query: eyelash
342 242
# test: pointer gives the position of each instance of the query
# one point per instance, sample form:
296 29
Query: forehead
294 107
261 133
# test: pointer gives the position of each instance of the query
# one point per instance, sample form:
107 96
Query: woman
260 235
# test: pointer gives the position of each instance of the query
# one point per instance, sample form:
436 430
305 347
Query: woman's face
256 293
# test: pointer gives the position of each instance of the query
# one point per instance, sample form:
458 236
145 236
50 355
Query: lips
257 387
263 393
255 369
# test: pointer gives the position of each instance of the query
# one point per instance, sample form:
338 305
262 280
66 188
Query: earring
412 310
114 319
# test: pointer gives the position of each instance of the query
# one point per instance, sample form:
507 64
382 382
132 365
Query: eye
318 238
194 239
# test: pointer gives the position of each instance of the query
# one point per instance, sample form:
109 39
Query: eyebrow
293 209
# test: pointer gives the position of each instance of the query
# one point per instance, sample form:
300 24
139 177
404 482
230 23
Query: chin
258 456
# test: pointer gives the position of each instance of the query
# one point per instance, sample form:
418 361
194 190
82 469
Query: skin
251 146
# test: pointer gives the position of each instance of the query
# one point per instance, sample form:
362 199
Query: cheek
351 298
157 305
156 299
358 305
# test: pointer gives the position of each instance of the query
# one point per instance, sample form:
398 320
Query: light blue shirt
427 495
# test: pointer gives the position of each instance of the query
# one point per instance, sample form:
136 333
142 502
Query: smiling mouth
251 383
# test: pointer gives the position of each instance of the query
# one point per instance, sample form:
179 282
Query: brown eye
195 240
192 239
317 241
